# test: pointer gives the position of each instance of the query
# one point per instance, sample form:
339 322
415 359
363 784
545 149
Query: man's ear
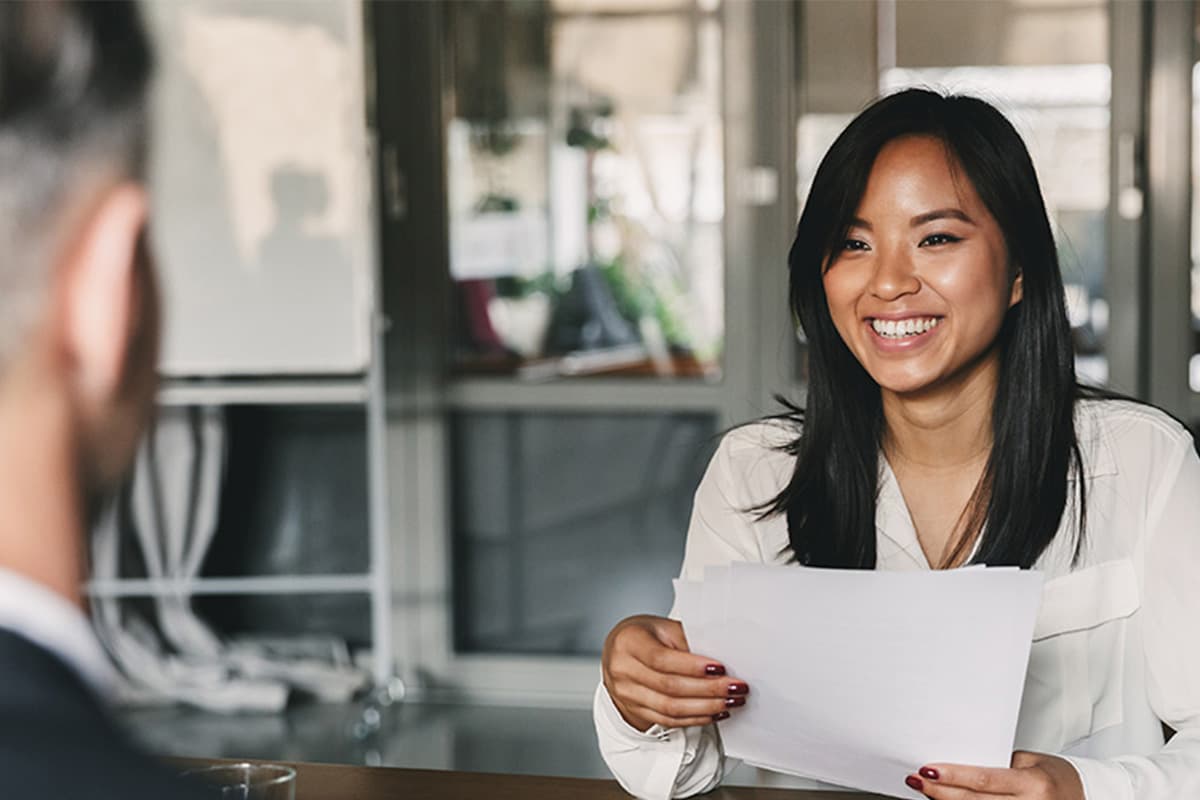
98 275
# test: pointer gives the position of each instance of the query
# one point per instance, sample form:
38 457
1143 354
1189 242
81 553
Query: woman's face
922 283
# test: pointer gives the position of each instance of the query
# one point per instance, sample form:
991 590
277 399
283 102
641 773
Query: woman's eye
934 239
854 244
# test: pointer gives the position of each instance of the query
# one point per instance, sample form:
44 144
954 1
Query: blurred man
78 340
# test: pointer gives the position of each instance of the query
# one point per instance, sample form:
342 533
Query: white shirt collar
45 618
898 546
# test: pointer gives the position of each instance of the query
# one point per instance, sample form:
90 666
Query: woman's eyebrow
859 222
941 213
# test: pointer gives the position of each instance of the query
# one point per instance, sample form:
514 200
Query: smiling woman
943 426
929 207
918 292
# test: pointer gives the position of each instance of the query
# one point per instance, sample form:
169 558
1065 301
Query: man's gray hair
73 83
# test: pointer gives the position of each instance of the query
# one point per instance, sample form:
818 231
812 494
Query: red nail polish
720 716
738 688
714 669
734 702
915 783
929 772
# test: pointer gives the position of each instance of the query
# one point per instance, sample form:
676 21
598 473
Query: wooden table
347 782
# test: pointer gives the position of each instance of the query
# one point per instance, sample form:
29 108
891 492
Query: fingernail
738 688
714 669
929 772
734 702
915 783
722 715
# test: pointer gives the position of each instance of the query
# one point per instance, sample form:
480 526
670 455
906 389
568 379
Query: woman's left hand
1033 776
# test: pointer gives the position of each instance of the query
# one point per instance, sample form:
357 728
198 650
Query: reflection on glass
585 189
1056 94
260 186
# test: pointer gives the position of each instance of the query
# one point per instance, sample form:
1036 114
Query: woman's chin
905 384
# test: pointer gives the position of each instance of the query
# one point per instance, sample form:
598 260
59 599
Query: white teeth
899 329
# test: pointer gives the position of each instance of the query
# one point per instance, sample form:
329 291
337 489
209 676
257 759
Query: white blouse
1116 647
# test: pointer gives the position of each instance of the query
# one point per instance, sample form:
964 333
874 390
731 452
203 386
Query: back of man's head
73 82
78 306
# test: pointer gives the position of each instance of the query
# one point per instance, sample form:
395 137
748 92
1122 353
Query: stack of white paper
858 678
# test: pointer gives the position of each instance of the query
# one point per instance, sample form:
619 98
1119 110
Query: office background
562 227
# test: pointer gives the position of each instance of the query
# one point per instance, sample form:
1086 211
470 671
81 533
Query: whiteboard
261 185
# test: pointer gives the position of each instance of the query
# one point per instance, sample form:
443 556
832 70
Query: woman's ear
1018 289
99 292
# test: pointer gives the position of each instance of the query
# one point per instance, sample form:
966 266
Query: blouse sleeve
1171 625
681 762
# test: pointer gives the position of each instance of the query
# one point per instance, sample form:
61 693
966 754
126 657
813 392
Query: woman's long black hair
1020 501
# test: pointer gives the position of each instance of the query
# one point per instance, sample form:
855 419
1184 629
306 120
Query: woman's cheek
843 315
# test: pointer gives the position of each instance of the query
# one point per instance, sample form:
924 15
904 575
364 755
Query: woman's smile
902 334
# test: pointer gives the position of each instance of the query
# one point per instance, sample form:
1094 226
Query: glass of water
245 781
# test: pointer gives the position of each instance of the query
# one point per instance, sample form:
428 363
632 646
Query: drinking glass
245 781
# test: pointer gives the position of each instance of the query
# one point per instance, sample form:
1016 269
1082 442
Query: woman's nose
894 277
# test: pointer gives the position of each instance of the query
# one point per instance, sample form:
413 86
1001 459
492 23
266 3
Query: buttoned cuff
1102 780
645 763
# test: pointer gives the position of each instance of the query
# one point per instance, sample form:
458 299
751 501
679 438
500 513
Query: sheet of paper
858 678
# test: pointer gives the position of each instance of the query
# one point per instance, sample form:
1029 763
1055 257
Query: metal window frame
1125 283
1169 178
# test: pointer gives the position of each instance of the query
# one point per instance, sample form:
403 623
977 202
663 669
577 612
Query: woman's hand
1033 776
653 678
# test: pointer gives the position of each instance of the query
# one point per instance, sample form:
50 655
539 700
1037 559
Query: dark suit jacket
57 741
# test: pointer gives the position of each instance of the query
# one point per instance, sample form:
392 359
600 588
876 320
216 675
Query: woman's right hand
653 678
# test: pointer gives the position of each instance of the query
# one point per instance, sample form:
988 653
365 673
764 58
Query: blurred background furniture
262 185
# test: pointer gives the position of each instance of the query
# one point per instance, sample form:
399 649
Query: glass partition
566 523
585 179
